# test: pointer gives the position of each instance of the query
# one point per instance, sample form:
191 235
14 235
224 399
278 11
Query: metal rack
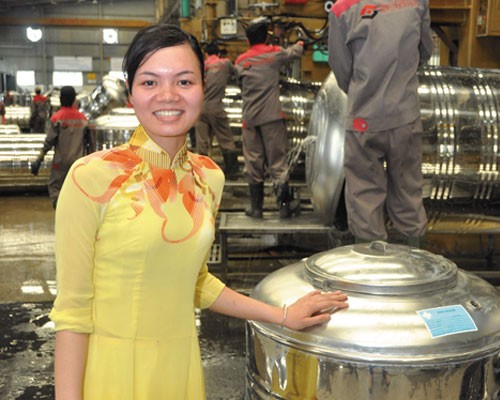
237 223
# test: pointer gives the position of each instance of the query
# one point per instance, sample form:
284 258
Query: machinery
460 161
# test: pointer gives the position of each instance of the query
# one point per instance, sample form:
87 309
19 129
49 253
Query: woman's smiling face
167 95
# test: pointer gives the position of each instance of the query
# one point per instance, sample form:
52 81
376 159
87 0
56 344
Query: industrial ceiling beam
72 22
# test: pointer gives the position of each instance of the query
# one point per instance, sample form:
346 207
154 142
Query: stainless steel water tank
110 93
17 152
417 328
18 115
113 129
461 118
10 129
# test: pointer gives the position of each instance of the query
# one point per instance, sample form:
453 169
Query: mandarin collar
148 150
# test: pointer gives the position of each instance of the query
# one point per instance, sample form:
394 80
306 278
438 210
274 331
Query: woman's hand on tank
312 309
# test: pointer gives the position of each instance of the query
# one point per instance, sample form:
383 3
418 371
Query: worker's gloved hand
35 166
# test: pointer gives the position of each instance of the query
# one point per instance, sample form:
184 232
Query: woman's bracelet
285 313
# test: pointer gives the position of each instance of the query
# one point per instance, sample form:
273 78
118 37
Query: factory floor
27 289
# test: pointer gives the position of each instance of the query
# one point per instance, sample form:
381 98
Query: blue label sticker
448 320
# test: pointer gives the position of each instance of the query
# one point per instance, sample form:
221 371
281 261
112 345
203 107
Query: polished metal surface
460 114
403 271
380 347
325 149
11 129
18 115
109 94
285 373
297 100
113 129
17 152
233 106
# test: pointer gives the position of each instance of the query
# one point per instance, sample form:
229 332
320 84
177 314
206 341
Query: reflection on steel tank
18 115
17 152
10 129
297 100
233 106
460 161
109 94
113 129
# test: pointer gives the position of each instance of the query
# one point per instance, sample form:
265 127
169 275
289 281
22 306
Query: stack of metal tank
18 150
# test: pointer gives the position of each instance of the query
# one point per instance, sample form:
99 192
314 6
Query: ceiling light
110 36
34 35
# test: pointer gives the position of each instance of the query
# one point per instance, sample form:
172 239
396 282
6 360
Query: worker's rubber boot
231 167
287 205
256 200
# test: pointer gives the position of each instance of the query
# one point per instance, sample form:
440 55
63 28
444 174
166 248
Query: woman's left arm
312 309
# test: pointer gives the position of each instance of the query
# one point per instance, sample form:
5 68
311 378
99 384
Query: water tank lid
381 268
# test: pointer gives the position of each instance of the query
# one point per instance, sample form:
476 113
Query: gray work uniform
374 51
264 135
39 108
213 118
68 135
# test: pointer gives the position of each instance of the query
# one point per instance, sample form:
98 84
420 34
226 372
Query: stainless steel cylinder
10 129
460 114
113 129
109 94
18 115
417 328
17 152
297 100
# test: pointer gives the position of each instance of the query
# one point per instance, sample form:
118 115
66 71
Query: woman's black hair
153 38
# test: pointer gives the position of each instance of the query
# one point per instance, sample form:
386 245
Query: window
117 74
65 78
25 78
116 67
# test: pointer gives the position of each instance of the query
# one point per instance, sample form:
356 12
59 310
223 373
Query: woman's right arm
76 226
70 360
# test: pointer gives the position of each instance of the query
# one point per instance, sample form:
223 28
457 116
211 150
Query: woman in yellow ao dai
134 225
